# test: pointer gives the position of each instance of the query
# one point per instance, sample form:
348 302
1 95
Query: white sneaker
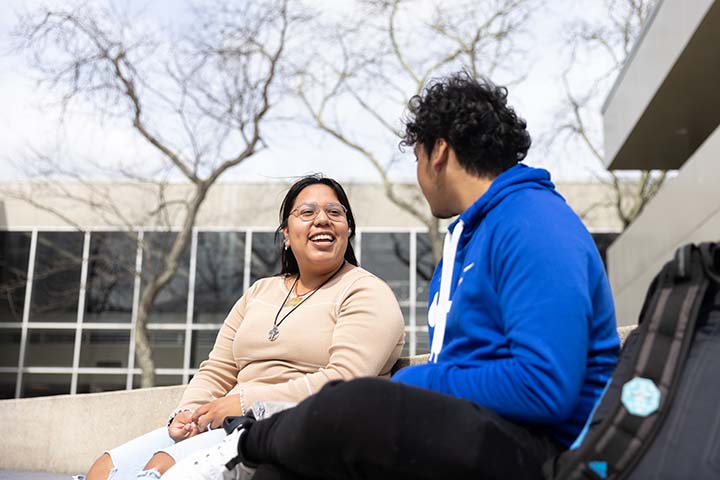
209 464
240 472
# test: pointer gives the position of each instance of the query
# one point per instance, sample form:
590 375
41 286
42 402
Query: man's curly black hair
474 118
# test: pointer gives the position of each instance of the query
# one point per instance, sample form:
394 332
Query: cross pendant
273 333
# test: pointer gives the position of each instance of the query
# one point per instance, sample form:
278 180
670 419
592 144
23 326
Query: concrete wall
66 433
687 209
665 102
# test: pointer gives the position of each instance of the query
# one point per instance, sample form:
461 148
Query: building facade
71 275
663 113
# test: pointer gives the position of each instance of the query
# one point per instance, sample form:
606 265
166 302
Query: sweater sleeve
218 374
540 273
366 341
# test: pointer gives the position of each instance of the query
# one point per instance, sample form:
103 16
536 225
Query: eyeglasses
307 212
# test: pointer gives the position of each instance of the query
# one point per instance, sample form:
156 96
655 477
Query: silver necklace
274 332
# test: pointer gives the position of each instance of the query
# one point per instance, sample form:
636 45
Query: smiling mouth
322 238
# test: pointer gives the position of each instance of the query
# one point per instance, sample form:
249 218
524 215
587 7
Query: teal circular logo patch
641 396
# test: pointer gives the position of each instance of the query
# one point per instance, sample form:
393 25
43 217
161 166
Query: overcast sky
26 117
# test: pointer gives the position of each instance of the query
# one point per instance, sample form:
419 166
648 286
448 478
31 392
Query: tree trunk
143 350
158 281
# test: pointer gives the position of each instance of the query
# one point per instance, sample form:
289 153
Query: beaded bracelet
242 401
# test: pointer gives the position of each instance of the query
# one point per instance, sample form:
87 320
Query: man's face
425 177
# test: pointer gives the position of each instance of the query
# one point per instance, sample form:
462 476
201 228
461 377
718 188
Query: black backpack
659 417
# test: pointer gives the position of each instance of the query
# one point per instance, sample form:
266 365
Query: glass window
387 255
406 348
50 348
265 256
94 383
421 334
7 385
14 255
421 316
422 344
56 283
104 348
218 275
202 343
406 315
9 347
168 348
425 267
111 270
171 303
43 384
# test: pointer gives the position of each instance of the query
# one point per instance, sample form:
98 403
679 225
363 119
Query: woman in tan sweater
323 318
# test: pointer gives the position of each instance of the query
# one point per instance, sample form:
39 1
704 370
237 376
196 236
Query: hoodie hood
519 177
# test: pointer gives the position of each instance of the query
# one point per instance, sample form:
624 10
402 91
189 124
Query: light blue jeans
130 458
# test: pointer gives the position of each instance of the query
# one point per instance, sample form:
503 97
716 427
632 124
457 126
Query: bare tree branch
470 35
579 119
214 88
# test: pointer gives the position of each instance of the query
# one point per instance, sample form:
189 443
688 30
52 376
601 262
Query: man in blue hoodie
521 319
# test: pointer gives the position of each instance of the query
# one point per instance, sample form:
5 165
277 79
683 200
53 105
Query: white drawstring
437 314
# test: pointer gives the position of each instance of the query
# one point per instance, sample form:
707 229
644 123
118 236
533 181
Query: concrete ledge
409 361
66 433
18 475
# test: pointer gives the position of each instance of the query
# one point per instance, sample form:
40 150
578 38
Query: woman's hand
213 413
183 426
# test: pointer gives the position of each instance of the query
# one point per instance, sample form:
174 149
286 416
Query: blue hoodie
530 326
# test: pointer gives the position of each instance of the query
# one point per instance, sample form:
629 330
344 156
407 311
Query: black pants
376 429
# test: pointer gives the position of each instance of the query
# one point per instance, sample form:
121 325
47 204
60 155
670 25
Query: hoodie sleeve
540 269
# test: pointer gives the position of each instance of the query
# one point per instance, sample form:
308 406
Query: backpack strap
668 318
710 253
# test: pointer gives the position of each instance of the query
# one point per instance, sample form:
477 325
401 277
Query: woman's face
317 230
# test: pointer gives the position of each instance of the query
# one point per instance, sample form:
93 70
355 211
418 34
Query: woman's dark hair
474 118
289 265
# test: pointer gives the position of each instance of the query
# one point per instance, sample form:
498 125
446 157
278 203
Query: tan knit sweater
349 328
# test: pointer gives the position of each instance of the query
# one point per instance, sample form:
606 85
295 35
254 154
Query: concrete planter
66 433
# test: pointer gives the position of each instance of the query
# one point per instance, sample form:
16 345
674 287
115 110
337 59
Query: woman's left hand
214 413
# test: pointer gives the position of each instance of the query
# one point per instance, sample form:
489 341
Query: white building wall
664 112
687 209
234 205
